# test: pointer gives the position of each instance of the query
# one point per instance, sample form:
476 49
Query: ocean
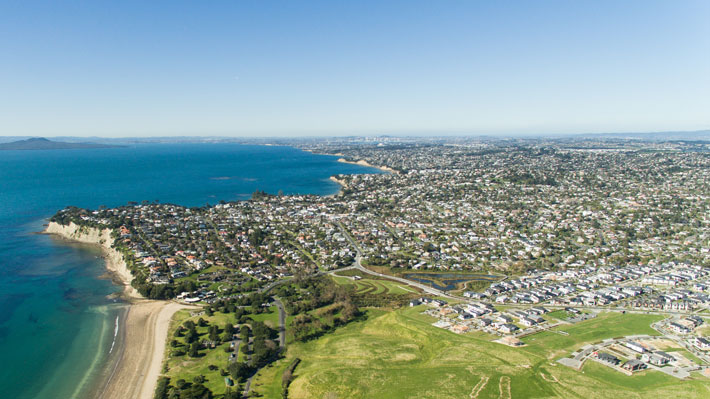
57 315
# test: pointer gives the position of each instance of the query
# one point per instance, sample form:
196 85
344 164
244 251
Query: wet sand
136 371
133 373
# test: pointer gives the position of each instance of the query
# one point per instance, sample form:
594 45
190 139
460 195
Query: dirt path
479 387
504 387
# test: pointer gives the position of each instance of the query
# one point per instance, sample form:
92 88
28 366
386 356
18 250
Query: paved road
282 340
282 323
236 349
422 287
247 386
358 265
265 289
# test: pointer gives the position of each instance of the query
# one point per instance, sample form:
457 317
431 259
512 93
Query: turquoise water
56 322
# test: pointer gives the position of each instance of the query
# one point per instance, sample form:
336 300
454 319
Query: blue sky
264 68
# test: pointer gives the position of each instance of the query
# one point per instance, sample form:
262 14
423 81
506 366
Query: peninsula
44 144
487 249
144 328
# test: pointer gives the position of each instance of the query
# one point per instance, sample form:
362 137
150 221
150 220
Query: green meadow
398 354
374 286
186 367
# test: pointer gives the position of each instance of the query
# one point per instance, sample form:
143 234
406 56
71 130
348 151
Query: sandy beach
339 182
144 330
136 372
363 162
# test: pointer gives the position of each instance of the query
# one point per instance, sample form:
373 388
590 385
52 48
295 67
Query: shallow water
56 322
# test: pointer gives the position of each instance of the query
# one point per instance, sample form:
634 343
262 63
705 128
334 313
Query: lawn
185 367
559 314
398 354
270 318
375 286
605 325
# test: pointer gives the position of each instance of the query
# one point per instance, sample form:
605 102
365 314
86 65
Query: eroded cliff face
88 235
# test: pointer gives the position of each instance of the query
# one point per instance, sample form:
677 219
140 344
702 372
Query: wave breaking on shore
143 331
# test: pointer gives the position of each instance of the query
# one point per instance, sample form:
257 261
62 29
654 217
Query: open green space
398 354
186 367
559 314
605 325
373 286
683 352
350 273
270 317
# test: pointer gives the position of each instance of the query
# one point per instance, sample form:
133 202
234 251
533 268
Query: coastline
144 329
115 264
340 183
363 162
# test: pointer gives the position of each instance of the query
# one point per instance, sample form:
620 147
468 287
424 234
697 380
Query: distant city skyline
287 69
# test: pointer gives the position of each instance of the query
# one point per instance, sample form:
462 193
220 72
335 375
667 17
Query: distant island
44 144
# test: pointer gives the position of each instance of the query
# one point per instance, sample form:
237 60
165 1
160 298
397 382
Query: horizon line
398 134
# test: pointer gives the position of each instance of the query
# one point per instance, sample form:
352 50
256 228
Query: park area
399 354
372 286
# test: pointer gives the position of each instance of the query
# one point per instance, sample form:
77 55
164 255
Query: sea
59 316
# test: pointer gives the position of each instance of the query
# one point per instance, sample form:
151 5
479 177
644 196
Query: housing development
578 251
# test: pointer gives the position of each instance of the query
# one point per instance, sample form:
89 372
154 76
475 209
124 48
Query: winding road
282 323
358 265
282 339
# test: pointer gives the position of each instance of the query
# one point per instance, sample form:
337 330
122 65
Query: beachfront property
213 255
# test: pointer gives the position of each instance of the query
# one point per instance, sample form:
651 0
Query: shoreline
363 162
135 370
115 264
340 183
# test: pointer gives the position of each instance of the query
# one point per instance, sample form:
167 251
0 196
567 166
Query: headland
134 373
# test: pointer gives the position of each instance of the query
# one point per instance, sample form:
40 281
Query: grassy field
398 354
185 367
559 314
270 318
372 286
606 325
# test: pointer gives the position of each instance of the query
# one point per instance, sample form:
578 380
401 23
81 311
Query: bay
56 318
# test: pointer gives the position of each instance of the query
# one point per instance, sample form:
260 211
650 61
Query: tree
196 391
214 333
191 336
161 391
194 350
239 370
232 394
228 332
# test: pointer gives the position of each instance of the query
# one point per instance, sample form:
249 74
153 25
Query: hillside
44 144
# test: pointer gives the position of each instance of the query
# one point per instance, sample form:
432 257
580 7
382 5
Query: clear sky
265 68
